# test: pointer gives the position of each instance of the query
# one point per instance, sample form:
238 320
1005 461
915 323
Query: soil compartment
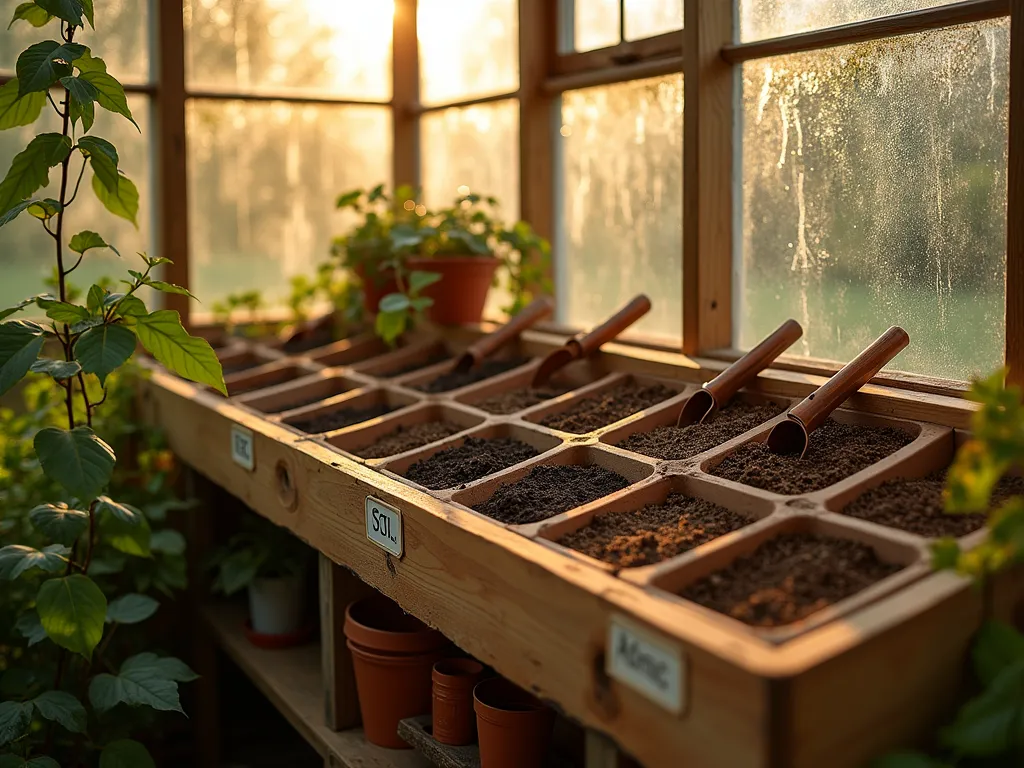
835 451
446 382
654 533
516 400
344 417
407 438
438 357
673 443
475 458
790 577
916 505
607 407
550 490
305 343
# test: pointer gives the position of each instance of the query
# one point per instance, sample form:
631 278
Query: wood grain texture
338 588
405 95
1015 201
707 177
170 183
872 29
291 680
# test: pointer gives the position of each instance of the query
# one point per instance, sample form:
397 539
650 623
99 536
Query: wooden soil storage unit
671 682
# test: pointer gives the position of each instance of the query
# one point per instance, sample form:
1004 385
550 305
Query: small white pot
275 605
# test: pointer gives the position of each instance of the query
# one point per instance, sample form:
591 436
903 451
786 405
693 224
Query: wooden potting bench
647 673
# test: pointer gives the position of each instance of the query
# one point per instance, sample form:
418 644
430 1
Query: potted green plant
271 563
386 227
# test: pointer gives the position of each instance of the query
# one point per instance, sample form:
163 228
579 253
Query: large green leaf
43 64
58 522
31 13
167 541
15 718
132 538
109 93
144 680
84 112
131 609
190 357
15 211
20 345
992 723
86 240
103 158
123 512
18 110
996 647
62 311
29 627
30 169
68 10
164 287
124 202
5 313
166 666
59 370
126 753
104 349
72 610
77 459
15 559
82 92
63 708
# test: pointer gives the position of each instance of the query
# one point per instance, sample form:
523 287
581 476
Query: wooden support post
707 177
601 752
338 588
405 96
1015 201
171 239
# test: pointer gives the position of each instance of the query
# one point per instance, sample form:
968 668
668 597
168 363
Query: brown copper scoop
492 342
791 436
716 393
585 344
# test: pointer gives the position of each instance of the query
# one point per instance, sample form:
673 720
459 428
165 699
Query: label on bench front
242 447
646 664
384 526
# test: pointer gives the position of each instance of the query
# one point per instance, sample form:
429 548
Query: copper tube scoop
585 344
791 436
492 342
716 393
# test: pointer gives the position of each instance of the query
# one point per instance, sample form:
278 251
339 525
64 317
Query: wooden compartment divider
875 671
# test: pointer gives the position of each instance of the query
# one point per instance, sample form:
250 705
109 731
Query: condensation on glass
874 194
622 206
339 48
263 177
647 18
27 254
760 19
468 48
474 150
121 38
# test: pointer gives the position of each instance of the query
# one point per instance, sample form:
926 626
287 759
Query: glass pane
474 149
263 178
28 252
623 203
874 194
647 18
121 38
468 48
596 24
761 19
336 47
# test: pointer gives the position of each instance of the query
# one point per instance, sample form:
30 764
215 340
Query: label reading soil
242 447
646 664
384 526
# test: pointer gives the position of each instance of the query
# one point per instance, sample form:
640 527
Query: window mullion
405 96
1015 201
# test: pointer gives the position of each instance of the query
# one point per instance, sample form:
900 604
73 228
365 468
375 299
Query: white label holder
647 664
243 447
384 526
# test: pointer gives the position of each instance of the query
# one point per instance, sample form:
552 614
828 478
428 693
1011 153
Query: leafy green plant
227 311
327 286
261 551
62 714
989 729
398 311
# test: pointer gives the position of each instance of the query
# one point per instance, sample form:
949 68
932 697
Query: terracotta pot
392 656
375 286
459 296
454 681
514 727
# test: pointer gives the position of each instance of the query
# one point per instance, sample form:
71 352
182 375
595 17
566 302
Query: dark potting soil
790 577
307 342
671 442
654 533
475 458
835 452
440 357
607 407
519 399
346 417
548 491
262 382
407 438
454 380
916 505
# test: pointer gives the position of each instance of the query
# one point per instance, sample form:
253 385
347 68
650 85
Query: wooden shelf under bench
879 676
